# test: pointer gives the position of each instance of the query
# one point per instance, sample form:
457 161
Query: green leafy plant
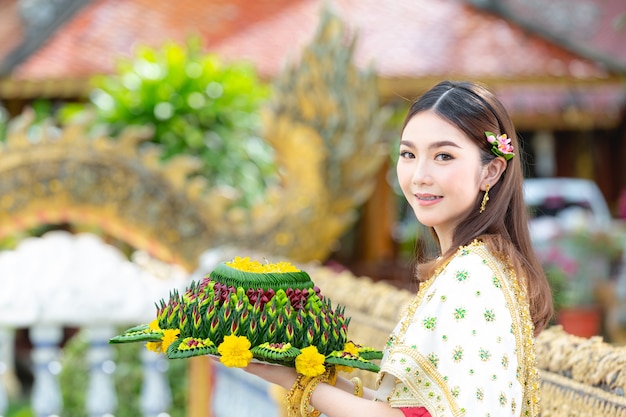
197 105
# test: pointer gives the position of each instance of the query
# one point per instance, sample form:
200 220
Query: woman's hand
276 374
335 401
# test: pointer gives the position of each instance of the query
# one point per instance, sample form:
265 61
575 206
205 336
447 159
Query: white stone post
46 397
156 396
101 398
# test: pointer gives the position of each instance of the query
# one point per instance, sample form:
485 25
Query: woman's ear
492 172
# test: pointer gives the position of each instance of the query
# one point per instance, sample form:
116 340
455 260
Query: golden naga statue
324 122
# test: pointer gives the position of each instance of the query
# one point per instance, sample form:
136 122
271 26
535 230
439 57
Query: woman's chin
427 221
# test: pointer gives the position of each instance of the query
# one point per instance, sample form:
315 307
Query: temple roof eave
534 102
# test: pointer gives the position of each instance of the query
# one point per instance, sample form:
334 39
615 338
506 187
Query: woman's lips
427 199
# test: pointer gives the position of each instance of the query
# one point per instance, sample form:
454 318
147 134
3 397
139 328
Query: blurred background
144 142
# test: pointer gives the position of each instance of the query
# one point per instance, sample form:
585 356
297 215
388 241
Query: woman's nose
421 174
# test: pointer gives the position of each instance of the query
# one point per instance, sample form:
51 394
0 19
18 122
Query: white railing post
156 396
101 398
46 394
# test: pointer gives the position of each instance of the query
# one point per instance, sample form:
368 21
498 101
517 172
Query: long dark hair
503 226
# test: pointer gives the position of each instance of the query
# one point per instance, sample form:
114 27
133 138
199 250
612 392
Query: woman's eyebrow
434 145
442 143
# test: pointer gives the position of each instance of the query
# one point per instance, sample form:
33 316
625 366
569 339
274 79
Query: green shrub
198 106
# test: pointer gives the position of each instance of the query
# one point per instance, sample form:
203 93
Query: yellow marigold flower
169 336
154 347
248 265
351 349
310 362
235 351
344 368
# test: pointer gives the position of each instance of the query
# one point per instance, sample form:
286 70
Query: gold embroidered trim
523 329
406 319
432 374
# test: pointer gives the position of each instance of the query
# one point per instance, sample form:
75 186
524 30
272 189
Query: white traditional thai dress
465 344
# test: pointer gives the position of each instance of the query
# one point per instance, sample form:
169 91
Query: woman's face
440 173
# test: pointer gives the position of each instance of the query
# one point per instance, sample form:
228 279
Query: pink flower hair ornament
500 145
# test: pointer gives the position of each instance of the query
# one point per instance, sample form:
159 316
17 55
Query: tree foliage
197 105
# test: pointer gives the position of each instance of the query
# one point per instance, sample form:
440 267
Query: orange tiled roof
104 30
401 39
412 39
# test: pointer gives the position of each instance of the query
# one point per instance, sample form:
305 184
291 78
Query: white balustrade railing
234 392
77 280
100 398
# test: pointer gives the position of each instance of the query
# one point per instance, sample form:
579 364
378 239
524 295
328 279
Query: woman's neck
445 240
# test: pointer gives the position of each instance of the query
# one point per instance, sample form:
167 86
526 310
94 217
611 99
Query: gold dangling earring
485 199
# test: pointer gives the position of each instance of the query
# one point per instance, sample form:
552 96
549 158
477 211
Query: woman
465 344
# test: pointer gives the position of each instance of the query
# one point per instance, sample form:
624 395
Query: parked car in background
561 205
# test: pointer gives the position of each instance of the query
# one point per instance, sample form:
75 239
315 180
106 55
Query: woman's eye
406 154
443 157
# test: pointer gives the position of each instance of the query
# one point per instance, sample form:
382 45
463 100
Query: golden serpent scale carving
49 179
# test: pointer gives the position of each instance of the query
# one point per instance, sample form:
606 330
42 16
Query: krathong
246 310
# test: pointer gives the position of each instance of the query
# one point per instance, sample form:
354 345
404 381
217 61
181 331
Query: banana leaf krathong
247 310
